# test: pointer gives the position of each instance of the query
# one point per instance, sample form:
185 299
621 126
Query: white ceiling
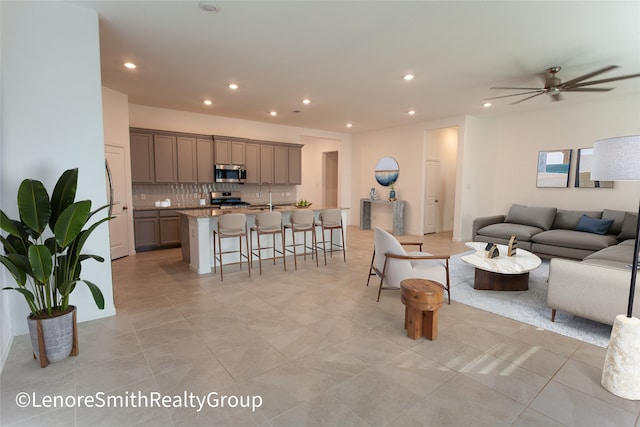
348 57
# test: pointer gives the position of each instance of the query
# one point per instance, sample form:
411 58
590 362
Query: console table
398 214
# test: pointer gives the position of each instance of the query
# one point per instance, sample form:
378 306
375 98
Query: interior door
432 184
330 178
117 190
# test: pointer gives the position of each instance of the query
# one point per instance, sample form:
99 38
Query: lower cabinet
156 229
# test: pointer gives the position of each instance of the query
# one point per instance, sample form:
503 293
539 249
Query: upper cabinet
204 159
229 151
252 162
295 165
142 168
280 164
187 162
266 163
164 150
166 157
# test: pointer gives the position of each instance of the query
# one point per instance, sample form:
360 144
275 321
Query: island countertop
253 210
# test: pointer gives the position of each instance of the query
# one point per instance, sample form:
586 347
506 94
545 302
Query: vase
56 336
392 194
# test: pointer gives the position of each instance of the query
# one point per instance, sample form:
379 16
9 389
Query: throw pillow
592 225
628 227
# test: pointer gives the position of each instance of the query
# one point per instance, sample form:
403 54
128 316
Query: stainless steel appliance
229 173
227 200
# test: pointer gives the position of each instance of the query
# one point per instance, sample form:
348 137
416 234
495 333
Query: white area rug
525 306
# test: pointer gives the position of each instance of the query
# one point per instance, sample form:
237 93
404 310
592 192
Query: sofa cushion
617 217
505 230
532 216
593 225
628 229
575 239
618 253
568 220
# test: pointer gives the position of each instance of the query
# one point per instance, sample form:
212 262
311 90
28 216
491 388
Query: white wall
315 141
52 121
497 159
407 145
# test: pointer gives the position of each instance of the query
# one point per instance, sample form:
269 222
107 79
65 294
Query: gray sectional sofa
589 272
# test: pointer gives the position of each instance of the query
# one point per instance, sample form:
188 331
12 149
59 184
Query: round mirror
387 171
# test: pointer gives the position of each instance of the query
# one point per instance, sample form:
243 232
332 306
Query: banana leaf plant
43 249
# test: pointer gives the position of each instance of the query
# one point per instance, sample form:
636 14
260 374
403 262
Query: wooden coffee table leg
414 323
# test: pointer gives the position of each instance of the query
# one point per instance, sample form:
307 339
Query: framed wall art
583 171
553 168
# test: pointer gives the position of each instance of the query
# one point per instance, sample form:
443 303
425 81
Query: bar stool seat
331 220
269 223
302 220
232 225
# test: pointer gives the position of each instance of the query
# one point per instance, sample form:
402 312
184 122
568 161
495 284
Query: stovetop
228 200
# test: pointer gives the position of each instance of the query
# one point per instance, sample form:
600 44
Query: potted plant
43 253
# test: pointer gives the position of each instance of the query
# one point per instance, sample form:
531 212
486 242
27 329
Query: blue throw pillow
592 225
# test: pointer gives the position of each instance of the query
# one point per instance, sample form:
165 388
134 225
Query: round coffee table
503 273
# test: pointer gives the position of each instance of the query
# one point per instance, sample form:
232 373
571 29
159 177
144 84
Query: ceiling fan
554 87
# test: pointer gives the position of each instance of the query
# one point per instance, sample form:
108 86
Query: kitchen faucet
270 202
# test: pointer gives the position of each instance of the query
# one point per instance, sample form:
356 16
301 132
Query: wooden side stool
422 299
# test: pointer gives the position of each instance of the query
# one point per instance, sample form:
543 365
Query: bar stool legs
269 223
332 220
302 220
231 225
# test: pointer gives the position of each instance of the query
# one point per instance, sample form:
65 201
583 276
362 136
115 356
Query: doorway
330 179
117 194
440 167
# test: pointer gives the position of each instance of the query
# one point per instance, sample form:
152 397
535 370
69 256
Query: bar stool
231 225
302 220
269 223
331 220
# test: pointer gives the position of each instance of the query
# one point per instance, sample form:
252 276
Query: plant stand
44 362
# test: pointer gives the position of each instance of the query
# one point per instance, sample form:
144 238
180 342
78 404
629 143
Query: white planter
58 336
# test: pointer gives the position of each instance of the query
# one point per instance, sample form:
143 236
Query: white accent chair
393 264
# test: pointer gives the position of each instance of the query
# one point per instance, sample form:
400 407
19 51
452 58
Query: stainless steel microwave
230 173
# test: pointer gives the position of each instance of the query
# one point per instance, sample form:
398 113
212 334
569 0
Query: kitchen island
198 225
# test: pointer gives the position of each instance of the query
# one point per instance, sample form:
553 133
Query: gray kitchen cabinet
156 228
252 162
295 165
186 159
204 160
280 164
266 163
142 163
229 151
169 228
164 154
146 230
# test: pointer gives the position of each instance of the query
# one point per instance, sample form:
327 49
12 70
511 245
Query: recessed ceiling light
306 101
207 102
349 125
486 104
411 112
274 113
130 65
408 77
233 86
209 7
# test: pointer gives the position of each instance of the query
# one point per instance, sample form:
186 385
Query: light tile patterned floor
318 350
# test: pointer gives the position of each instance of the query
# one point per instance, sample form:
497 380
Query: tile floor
315 347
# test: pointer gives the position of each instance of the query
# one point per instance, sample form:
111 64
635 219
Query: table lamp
618 159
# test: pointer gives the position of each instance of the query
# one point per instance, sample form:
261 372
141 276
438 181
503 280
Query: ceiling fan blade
529 97
515 88
589 75
597 82
587 89
537 92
